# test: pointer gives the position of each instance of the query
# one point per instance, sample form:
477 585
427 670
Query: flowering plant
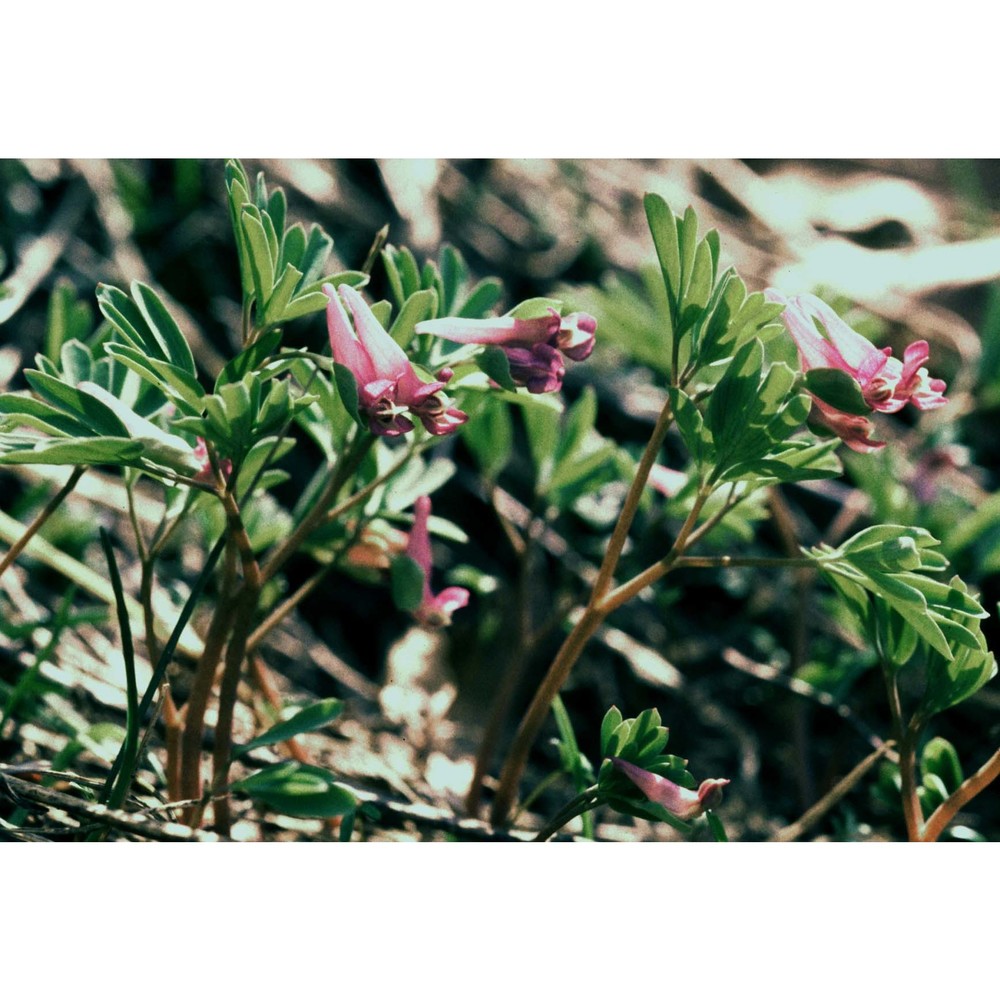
406 390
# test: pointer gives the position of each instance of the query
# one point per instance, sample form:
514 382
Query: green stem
346 466
586 800
43 515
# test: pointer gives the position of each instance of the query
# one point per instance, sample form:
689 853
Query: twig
832 797
119 819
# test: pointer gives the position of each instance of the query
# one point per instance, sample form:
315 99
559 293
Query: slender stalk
815 813
587 799
235 656
173 726
619 536
962 795
598 609
346 466
538 711
201 689
778 562
906 738
43 515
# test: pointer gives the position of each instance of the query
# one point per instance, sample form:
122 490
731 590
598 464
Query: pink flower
533 346
206 474
886 383
435 610
682 802
388 387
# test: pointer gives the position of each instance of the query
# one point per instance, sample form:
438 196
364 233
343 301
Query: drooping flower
389 390
535 347
435 610
684 803
886 383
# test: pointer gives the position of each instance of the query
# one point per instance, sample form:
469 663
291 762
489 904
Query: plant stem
597 610
832 797
538 711
346 466
201 689
43 515
587 799
965 793
228 689
906 738
606 574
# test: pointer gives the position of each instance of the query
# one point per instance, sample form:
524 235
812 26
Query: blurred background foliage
758 674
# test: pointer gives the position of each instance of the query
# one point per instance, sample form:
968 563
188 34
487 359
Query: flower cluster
534 347
389 390
886 383
435 610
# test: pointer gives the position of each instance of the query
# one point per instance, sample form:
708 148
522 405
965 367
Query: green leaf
127 319
347 388
73 451
18 410
261 262
418 307
274 311
76 361
489 433
302 305
393 276
494 362
481 300
663 228
250 359
453 275
612 720
293 246
162 325
308 720
296 789
407 583
837 389
67 319
315 256
94 414
175 383
940 758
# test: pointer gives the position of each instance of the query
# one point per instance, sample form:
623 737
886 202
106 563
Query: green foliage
909 616
282 270
295 789
306 720
640 741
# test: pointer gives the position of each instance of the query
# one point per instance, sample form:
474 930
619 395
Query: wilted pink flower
435 610
388 387
669 482
533 346
886 383
682 802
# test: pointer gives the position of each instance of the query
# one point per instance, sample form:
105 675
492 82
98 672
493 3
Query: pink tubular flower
533 346
388 387
886 383
435 610
682 802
